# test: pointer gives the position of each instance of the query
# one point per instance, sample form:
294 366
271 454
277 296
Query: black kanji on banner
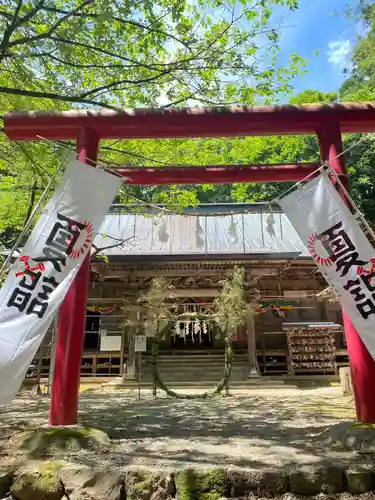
21 297
340 248
364 304
60 242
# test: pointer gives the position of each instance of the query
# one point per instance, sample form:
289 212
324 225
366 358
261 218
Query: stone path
253 429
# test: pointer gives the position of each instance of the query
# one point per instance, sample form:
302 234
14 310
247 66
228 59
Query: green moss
139 484
213 480
209 485
40 484
186 485
209 496
49 440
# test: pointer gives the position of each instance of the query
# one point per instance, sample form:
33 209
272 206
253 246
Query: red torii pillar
72 319
361 362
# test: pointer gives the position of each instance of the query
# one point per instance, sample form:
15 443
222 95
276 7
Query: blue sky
320 25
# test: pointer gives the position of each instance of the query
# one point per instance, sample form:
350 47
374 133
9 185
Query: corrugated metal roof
264 232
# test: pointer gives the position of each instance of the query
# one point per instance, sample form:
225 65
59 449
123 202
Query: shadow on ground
247 430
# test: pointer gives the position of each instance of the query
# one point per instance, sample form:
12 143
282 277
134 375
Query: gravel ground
252 429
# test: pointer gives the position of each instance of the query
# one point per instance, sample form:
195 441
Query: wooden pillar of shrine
251 345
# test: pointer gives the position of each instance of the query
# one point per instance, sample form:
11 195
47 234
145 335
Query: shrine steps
194 368
244 385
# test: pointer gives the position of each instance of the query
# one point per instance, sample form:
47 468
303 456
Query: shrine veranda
195 252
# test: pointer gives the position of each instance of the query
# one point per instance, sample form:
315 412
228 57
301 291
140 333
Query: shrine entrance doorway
92 329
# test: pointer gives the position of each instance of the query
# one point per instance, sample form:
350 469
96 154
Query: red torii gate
328 122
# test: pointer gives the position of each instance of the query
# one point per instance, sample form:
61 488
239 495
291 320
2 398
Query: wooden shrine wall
272 349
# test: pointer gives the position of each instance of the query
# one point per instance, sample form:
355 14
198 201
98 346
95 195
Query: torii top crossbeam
191 122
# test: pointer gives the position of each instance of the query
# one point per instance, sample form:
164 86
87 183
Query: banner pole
72 319
361 362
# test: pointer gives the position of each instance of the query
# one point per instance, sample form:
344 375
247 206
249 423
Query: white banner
41 276
340 248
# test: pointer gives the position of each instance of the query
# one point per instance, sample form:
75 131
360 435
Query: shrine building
195 251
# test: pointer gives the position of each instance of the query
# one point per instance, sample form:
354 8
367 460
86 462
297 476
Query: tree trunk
52 353
38 389
228 363
346 381
39 371
251 346
131 365
131 362
155 352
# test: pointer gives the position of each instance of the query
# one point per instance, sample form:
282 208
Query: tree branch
82 98
131 153
82 66
5 14
158 66
99 50
118 243
30 14
53 28
55 97
16 12
179 101
31 201
92 15
181 62
120 82
10 29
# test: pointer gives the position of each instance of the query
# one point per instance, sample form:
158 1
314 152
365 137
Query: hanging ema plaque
311 349
340 249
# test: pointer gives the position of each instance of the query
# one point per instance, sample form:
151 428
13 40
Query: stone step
209 384
198 352
200 362
195 366
213 376
149 377
194 362
194 369
189 373
202 354
206 359
195 374
188 368
198 374
194 359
